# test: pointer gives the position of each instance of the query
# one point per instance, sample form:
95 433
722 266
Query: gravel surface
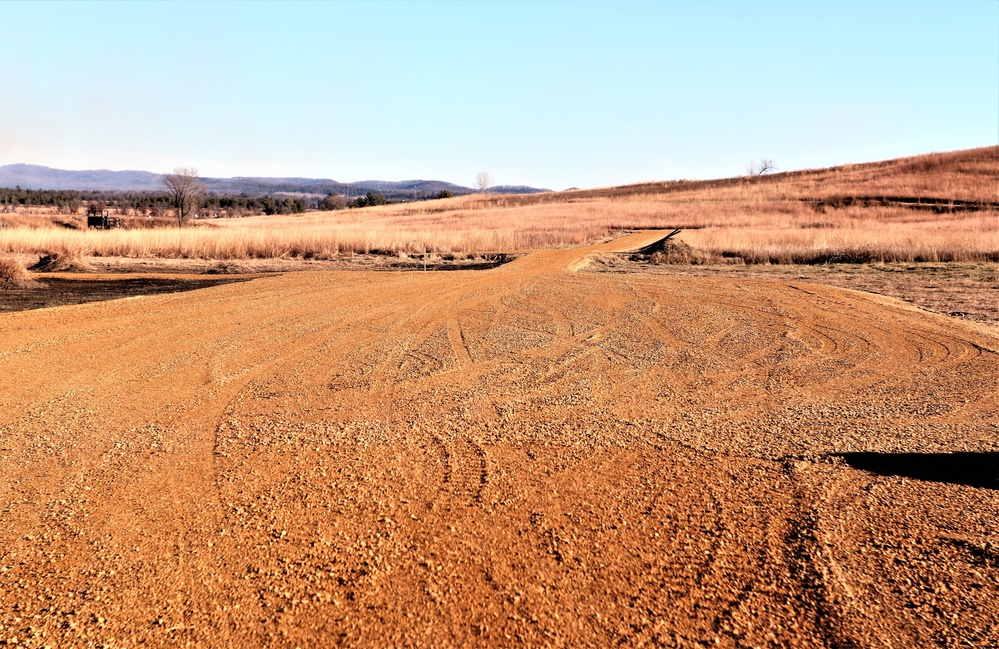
965 290
525 456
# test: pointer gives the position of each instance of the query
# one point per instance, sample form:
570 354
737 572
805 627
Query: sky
547 94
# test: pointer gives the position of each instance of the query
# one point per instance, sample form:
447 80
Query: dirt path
521 456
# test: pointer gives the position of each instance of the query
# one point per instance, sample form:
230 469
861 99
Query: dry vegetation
11 270
783 218
14 276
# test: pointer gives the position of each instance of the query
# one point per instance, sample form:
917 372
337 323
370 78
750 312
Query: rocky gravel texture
525 456
964 290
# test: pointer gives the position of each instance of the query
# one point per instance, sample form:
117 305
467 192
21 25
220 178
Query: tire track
518 457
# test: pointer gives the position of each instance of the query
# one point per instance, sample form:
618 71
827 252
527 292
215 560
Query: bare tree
761 168
186 190
483 182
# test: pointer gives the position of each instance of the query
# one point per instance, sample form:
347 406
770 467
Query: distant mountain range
38 177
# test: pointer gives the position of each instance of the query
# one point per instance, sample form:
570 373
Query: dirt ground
345 261
968 291
524 456
101 278
74 288
965 290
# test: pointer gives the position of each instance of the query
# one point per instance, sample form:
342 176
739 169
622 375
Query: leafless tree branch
763 167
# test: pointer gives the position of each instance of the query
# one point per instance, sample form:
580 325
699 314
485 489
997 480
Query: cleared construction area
522 456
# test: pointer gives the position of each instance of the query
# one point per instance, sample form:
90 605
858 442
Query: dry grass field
781 218
533 455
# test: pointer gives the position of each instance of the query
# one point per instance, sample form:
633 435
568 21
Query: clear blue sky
548 94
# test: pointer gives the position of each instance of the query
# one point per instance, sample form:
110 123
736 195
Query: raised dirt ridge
525 456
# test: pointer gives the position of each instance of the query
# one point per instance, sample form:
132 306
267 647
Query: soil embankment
526 456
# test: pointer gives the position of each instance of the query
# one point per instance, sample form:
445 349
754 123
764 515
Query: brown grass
11 270
770 219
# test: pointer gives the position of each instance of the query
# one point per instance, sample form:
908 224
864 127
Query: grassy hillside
938 207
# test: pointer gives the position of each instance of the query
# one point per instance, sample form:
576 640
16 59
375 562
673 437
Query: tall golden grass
11 270
762 220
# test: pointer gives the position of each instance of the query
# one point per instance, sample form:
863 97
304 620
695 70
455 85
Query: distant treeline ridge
156 204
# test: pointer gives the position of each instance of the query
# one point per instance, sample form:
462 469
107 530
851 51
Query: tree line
159 204
150 203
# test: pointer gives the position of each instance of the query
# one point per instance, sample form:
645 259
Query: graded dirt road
525 456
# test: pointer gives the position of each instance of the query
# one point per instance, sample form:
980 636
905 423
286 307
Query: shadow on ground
52 291
971 469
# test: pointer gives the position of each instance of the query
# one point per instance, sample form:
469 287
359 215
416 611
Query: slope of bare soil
521 456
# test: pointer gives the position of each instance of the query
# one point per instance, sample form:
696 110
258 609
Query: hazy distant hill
39 177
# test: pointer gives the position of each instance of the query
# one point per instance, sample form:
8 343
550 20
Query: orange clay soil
525 456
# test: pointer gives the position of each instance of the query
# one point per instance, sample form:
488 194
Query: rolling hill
40 177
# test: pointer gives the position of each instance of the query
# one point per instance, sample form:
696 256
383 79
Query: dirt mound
678 252
61 262
669 250
523 456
